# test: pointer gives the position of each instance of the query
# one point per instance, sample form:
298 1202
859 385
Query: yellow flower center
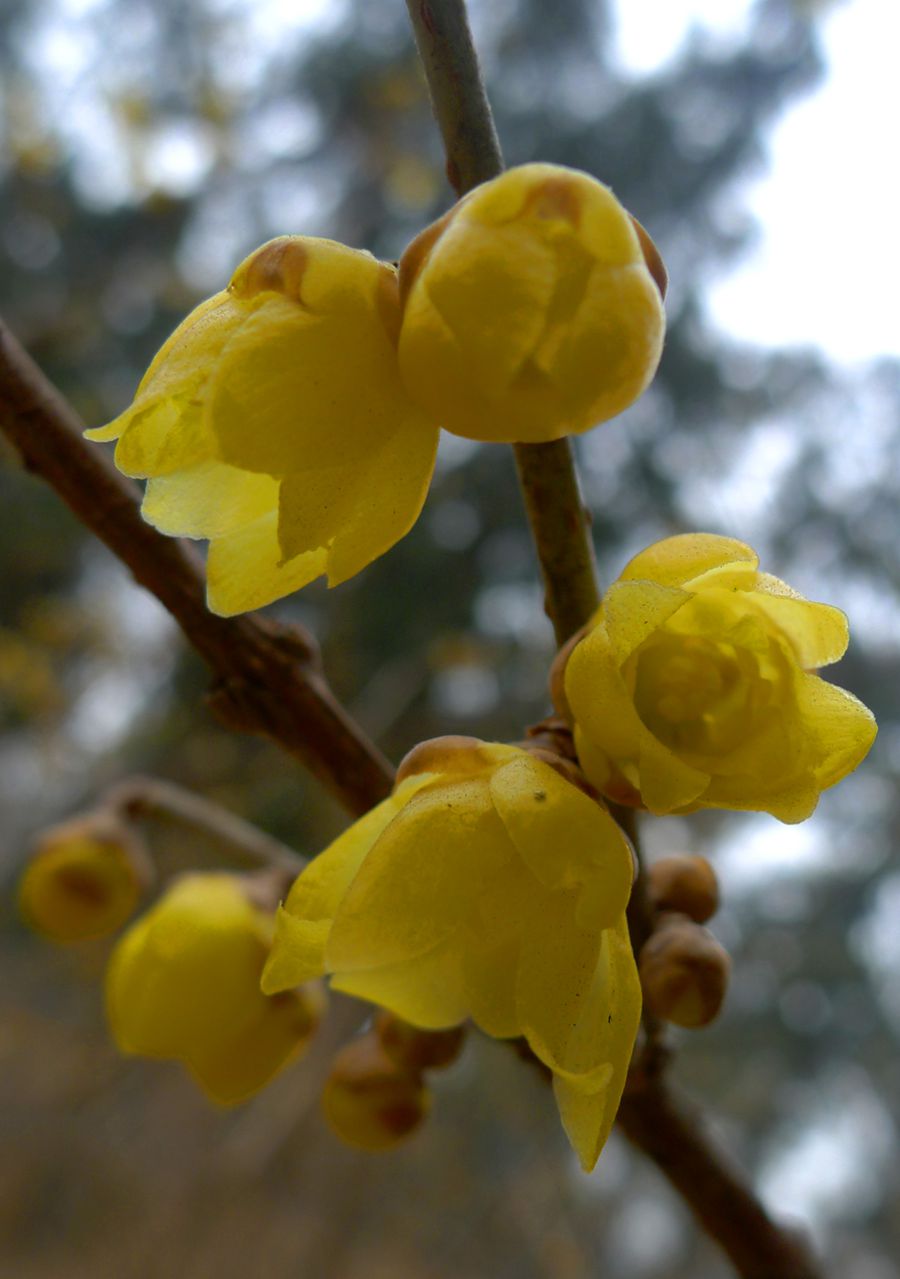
696 694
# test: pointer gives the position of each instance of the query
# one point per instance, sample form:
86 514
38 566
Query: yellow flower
695 686
486 886
273 422
183 984
530 310
84 879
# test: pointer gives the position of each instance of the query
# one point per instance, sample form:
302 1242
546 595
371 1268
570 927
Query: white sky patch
649 32
822 272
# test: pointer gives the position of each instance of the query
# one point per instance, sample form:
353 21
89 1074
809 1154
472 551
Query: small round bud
684 883
84 880
684 972
369 1101
415 1050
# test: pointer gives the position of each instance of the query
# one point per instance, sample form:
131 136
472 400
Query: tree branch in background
268 677
140 798
666 1129
560 524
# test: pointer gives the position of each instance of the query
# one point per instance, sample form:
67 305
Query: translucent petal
676 560
295 389
600 701
360 511
565 838
489 976
588 1102
208 500
302 925
244 568
556 974
421 879
818 633
427 991
840 728
667 782
634 610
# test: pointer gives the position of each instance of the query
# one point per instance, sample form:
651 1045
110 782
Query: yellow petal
302 925
555 978
233 1072
667 782
676 560
361 510
489 977
791 800
163 429
817 633
610 347
208 500
588 1102
840 727
244 568
599 698
421 879
296 389
634 610
566 839
427 991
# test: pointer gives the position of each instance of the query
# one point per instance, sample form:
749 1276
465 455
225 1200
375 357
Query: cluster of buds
376 1096
683 969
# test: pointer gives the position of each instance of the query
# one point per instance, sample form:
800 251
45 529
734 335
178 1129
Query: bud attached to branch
85 878
369 1100
532 310
684 883
684 972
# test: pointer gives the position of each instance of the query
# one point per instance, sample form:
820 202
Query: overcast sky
824 271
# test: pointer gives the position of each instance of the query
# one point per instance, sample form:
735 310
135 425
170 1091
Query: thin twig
268 677
137 798
560 523
669 1133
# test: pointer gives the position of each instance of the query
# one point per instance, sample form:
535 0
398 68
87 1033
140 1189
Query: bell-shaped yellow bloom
84 879
695 687
487 886
183 984
274 423
530 311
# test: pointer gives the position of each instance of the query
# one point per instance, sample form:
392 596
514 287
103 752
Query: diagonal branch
669 1132
268 677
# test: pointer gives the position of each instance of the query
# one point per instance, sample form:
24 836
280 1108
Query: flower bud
686 884
413 1049
84 879
532 310
370 1101
183 984
684 972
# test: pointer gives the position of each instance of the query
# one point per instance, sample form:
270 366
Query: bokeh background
147 145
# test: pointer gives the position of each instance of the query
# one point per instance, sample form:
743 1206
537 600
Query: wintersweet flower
183 984
532 310
273 422
695 687
84 879
487 886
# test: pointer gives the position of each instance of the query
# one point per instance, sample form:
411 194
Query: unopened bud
414 1050
369 1101
85 878
684 972
684 883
